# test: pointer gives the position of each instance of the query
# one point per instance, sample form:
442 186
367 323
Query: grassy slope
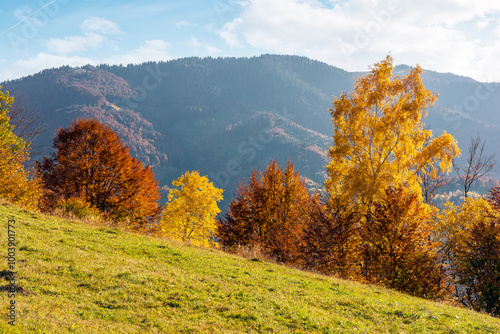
89 279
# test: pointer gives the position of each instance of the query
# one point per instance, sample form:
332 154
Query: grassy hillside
80 278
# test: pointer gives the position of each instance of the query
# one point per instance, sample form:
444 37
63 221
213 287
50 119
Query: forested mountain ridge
226 116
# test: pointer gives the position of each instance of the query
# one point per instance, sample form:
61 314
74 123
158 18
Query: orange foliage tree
93 164
471 243
399 248
493 198
332 243
380 147
269 212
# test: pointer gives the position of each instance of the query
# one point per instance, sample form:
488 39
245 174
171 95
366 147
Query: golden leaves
379 136
189 214
16 183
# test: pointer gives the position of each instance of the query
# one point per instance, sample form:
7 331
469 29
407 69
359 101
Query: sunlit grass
90 279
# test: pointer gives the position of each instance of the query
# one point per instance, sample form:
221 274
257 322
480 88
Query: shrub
332 243
399 251
79 208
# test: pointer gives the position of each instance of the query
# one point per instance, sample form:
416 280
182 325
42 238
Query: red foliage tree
493 198
92 163
398 249
331 240
270 212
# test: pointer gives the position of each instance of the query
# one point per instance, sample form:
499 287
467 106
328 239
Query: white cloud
93 34
356 33
230 32
497 29
99 25
199 47
212 50
184 24
41 61
194 42
75 43
481 24
153 50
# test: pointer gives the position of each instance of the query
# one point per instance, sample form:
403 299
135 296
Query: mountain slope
79 278
213 115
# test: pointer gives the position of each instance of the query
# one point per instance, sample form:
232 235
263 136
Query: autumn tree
493 198
477 164
398 246
27 123
332 243
270 212
479 272
190 212
432 178
17 183
471 243
92 163
379 137
431 182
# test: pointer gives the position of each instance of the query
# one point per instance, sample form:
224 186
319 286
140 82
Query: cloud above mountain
458 36
439 34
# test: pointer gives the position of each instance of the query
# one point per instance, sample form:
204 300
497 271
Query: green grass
90 279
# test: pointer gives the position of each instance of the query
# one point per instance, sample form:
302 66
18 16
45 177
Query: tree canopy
17 183
379 137
270 212
189 214
93 164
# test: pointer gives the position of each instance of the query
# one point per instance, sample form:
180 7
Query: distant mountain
226 116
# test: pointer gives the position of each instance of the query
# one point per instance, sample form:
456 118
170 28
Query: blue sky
457 36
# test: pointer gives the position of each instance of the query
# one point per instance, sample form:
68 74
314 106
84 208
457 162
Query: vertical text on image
11 258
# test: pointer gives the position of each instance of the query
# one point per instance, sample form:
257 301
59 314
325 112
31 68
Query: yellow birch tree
380 140
17 184
189 214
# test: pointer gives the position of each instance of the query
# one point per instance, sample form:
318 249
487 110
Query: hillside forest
371 214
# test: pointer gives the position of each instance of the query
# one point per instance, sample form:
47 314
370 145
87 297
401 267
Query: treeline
92 176
399 242
373 222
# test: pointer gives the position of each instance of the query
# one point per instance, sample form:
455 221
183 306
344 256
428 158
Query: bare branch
431 184
27 124
477 165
